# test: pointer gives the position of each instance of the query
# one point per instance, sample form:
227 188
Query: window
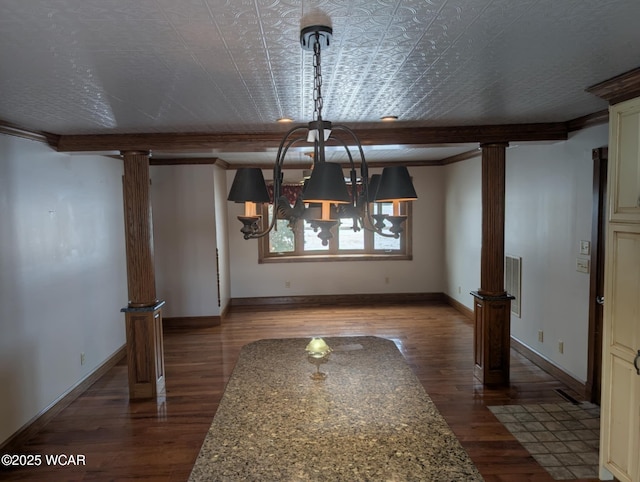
301 243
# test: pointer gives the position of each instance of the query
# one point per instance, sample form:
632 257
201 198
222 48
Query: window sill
308 258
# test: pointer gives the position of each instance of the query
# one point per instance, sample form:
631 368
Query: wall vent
512 278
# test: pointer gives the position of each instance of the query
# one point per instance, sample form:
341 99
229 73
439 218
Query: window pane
348 238
387 244
383 208
282 240
311 240
382 242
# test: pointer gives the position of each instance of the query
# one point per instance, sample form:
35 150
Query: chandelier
326 188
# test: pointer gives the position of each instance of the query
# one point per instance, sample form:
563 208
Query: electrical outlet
82 358
287 284
561 346
541 336
387 280
459 289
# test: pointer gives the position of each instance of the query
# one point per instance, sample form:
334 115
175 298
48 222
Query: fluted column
492 306
143 315
493 205
138 230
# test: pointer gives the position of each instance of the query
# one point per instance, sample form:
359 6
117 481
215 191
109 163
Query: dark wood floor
159 441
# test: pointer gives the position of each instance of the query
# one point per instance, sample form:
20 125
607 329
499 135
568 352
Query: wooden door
620 419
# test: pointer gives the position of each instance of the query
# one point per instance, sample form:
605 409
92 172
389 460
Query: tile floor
562 437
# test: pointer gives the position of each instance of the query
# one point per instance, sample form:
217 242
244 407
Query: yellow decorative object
318 348
318 353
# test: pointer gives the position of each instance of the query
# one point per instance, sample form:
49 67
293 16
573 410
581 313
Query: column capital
135 153
504 144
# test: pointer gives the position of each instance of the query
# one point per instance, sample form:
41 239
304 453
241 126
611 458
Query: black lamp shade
326 184
248 185
374 182
395 185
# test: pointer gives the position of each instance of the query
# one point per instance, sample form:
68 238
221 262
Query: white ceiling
172 66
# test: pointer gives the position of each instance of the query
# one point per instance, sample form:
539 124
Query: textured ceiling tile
77 66
147 35
269 9
115 10
187 11
197 35
32 11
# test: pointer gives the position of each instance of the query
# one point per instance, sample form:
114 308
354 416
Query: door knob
635 362
600 300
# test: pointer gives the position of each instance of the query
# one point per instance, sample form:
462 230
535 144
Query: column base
145 351
492 338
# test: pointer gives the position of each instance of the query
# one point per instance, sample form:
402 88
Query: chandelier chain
326 185
317 80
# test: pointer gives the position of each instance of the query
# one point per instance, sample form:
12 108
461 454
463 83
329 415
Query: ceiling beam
410 136
419 136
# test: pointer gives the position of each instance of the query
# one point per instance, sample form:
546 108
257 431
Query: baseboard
532 356
576 385
225 311
351 299
468 312
33 426
179 322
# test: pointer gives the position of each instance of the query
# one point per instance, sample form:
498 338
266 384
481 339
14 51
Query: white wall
423 274
184 228
463 229
548 211
62 273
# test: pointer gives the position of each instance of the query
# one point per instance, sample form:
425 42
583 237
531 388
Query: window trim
265 257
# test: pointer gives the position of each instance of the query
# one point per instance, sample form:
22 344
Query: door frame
596 280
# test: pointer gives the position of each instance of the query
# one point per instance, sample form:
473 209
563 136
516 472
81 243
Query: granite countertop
370 419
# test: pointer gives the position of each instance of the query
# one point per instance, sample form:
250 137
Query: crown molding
597 118
188 161
17 131
463 156
619 88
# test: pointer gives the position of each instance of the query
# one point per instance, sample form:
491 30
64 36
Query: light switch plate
585 247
